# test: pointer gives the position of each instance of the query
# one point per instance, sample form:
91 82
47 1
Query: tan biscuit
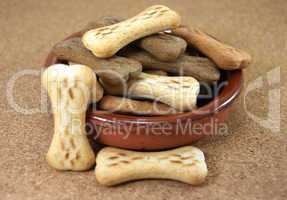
135 107
198 67
185 164
112 70
106 41
156 72
164 47
225 56
69 88
178 92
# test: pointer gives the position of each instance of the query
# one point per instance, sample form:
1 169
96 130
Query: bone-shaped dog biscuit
100 22
134 107
164 47
200 68
178 92
106 41
185 164
226 57
113 70
69 88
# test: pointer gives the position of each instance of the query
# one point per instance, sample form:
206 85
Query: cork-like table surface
248 163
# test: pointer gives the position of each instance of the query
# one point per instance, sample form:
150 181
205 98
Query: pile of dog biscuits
137 66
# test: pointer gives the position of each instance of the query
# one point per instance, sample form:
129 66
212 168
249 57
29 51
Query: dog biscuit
156 72
178 92
134 107
69 88
164 47
225 56
101 22
198 67
112 70
106 41
185 164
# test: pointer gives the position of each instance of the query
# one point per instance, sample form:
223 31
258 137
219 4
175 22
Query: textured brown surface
249 163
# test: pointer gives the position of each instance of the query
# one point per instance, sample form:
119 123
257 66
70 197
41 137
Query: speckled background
249 163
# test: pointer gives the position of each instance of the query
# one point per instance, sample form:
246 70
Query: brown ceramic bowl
162 132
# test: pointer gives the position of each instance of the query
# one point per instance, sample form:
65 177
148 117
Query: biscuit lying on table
106 41
185 164
179 92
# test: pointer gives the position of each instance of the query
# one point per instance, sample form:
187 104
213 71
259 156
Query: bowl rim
220 102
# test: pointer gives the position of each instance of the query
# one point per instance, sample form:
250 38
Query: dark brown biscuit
164 47
112 89
112 70
198 67
101 22
156 72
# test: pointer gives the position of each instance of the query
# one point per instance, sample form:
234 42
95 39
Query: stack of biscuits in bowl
147 65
